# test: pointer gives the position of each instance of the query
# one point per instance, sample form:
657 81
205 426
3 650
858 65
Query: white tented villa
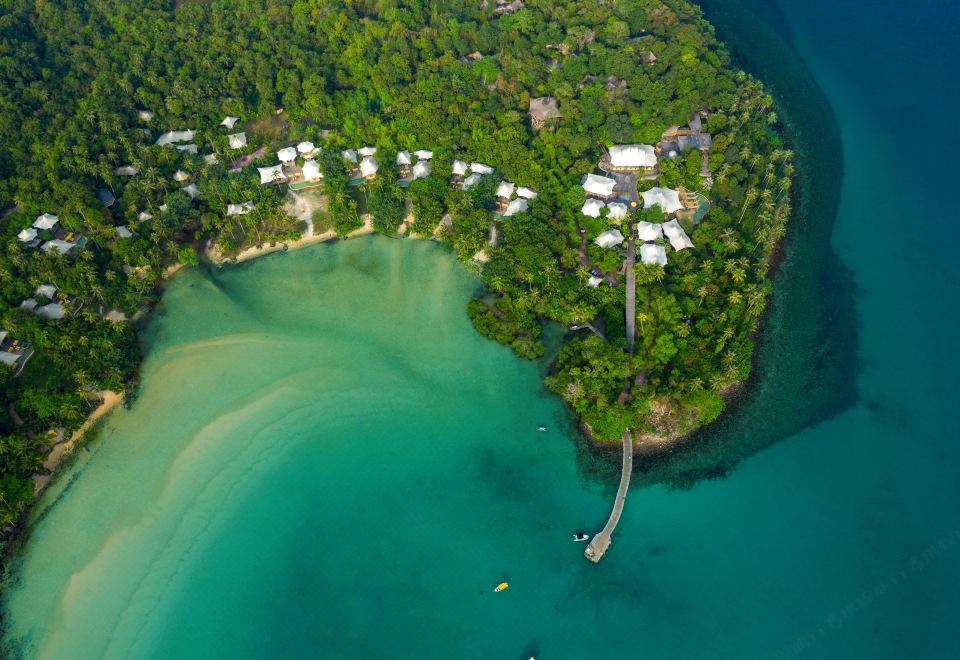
649 231
599 186
46 221
287 155
516 206
237 140
174 136
609 239
651 253
666 198
311 171
632 156
678 238
272 174
592 207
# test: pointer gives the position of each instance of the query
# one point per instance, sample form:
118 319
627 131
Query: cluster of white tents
513 200
471 172
50 311
418 163
288 158
45 222
363 159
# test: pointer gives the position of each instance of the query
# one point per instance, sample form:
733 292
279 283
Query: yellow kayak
500 587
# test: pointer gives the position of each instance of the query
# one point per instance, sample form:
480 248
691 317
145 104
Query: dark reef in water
806 366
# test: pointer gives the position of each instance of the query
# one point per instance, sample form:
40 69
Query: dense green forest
450 76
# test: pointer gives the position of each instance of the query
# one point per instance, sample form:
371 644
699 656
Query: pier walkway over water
601 542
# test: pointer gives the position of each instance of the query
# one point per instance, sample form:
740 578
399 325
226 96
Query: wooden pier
601 542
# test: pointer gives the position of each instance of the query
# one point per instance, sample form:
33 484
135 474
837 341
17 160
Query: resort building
144 115
180 176
459 174
240 209
273 174
171 137
28 236
413 167
666 198
515 206
237 140
649 231
592 207
505 7
480 168
229 122
599 186
617 210
189 148
594 281
46 221
526 193
192 191
125 170
14 353
58 245
287 155
651 253
609 239
637 158
504 194
678 238
542 110
311 171
307 149
123 232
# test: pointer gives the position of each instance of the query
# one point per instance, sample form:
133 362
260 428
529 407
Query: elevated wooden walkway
601 542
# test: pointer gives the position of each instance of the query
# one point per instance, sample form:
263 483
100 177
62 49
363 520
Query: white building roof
311 170
51 312
610 238
144 115
143 216
423 154
526 193
125 170
180 176
229 121
237 140
403 158
678 238
592 208
45 290
191 148
60 246
367 151
633 155
651 253
211 159
240 209
174 136
191 190
667 199
349 155
287 155
471 180
29 304
421 169
595 184
459 167
480 168
306 148
516 206
123 232
46 221
594 281
618 210
271 174
649 231
27 235
368 167
505 189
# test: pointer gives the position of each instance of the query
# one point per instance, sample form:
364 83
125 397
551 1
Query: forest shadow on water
806 362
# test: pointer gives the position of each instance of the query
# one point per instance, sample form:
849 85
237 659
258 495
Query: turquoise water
326 461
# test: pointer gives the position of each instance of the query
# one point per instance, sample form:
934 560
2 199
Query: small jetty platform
601 542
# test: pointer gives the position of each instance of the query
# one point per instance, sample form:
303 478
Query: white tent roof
180 176
678 238
471 180
618 210
9 359
592 208
51 312
191 148
46 221
191 190
594 281
240 209
505 189
525 193
45 290
649 231
367 151
368 167
174 136
633 155
651 253
306 148
666 198
349 155
29 304
595 184
423 154
516 206
143 216
403 158
610 238
271 174
211 159
60 246
125 170
459 167
480 168
144 115
27 235
287 155
123 232
229 121
237 140
311 170
421 169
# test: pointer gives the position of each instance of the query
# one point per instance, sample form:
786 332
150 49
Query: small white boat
580 537
541 428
